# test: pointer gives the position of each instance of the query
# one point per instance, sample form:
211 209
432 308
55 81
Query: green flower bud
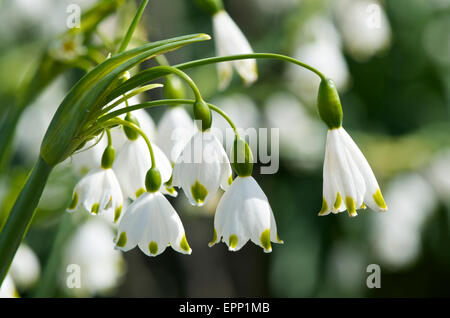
153 180
203 114
129 132
211 6
242 158
329 104
174 88
108 157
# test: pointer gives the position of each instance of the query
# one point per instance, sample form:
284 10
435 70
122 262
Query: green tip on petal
279 240
122 241
140 192
74 202
338 201
351 206
214 239
379 200
199 192
153 248
324 207
95 208
265 241
232 241
230 180
117 213
184 244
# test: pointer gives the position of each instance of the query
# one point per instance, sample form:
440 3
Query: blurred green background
391 63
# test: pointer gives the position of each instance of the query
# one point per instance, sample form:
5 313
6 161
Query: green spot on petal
214 239
230 180
363 206
153 248
140 192
338 201
122 241
324 206
117 213
95 208
232 241
170 189
199 192
184 244
378 197
265 240
74 202
279 240
351 206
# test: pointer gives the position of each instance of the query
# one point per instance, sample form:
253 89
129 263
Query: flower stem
119 121
217 59
163 102
21 215
127 38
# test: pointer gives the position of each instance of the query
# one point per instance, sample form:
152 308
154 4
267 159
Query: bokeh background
391 63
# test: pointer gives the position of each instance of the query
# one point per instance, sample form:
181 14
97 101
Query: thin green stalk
132 27
163 102
21 215
218 59
119 121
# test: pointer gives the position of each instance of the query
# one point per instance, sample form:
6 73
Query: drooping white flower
151 223
348 181
97 192
201 168
230 40
243 214
132 163
101 266
174 131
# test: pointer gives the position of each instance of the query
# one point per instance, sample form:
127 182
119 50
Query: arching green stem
108 134
212 60
182 75
125 97
162 102
119 121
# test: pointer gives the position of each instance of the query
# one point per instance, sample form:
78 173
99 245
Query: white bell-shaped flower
132 163
348 181
230 40
202 167
151 223
174 131
97 192
243 214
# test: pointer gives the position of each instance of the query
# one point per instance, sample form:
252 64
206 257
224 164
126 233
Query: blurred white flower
301 134
67 48
201 168
348 180
243 214
396 236
364 26
175 129
438 172
101 266
323 52
34 121
230 40
25 268
8 289
153 224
